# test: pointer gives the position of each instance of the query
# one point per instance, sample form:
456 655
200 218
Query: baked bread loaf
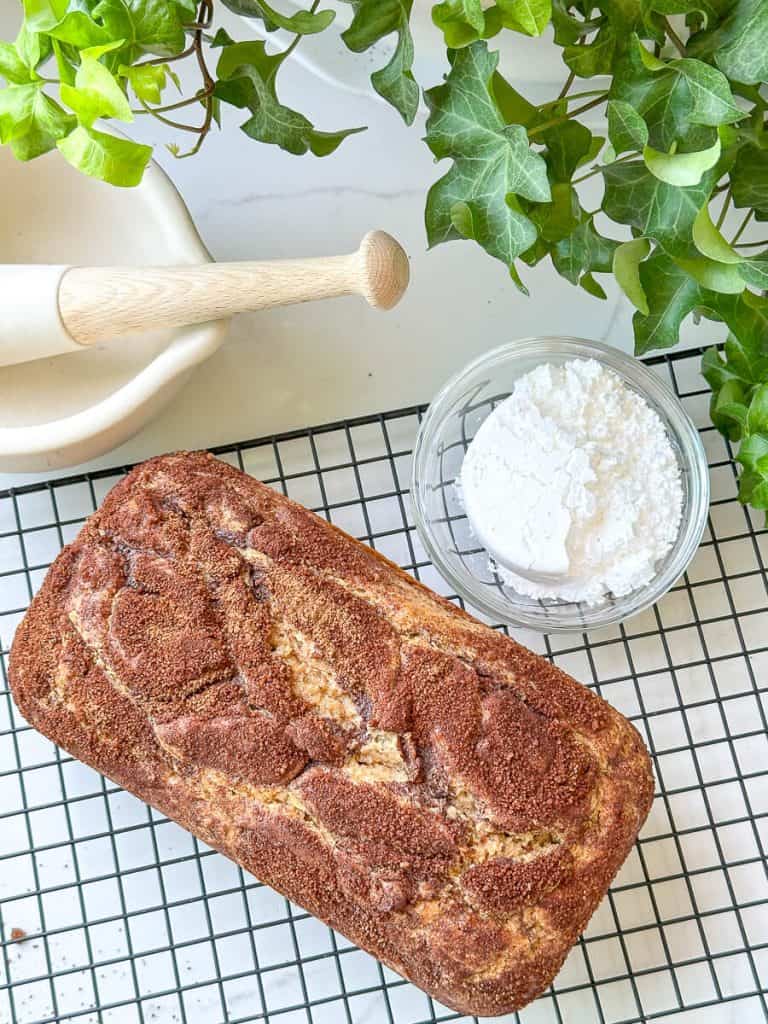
448 800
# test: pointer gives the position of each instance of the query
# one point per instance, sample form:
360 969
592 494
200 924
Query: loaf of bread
448 800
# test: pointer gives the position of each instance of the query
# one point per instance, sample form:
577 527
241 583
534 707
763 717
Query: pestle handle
98 303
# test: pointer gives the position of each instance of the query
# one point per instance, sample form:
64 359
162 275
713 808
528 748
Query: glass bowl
446 431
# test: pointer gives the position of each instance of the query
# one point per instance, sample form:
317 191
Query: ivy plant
678 85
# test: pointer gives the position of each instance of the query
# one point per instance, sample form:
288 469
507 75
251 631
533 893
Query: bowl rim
661 397
46 445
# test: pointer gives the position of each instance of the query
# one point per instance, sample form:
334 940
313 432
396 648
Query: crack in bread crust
450 801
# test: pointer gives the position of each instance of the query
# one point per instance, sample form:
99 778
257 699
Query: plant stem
742 227
573 113
568 83
724 210
679 44
167 120
598 169
197 98
752 245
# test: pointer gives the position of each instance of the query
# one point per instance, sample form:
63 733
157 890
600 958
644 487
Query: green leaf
676 100
64 65
584 251
221 38
567 145
16 110
755 271
49 123
247 79
749 180
79 30
626 268
746 350
513 107
12 67
528 16
96 92
461 21
728 409
657 210
146 80
301 23
594 58
757 416
147 26
710 242
32 47
718 277
493 163
107 157
592 287
671 295
627 130
713 101
681 168
374 20
559 218
738 42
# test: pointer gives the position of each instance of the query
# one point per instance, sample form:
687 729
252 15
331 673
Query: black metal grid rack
130 919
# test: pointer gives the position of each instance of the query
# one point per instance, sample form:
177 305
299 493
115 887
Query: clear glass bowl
446 431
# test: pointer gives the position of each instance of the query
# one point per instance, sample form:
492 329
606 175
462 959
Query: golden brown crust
451 802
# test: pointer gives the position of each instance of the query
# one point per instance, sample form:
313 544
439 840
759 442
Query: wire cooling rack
128 918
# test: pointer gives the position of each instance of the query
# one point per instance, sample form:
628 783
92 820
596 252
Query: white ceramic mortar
69 409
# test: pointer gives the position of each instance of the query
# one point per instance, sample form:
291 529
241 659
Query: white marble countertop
307 365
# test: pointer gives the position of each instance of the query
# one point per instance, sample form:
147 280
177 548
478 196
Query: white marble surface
311 364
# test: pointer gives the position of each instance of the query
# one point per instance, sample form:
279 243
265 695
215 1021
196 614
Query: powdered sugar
572 485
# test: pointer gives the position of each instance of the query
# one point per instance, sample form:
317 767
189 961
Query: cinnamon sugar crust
451 802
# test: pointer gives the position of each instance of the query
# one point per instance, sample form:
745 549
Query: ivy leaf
558 218
710 242
584 251
626 269
749 180
107 157
728 409
657 210
493 163
147 26
592 287
32 47
16 110
627 131
755 271
48 124
567 146
247 79
78 29
530 17
681 168
671 294
374 20
96 92
303 23
568 28
147 80
753 481
513 106
12 67
673 97
723 278
464 21
738 42
594 58
713 101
